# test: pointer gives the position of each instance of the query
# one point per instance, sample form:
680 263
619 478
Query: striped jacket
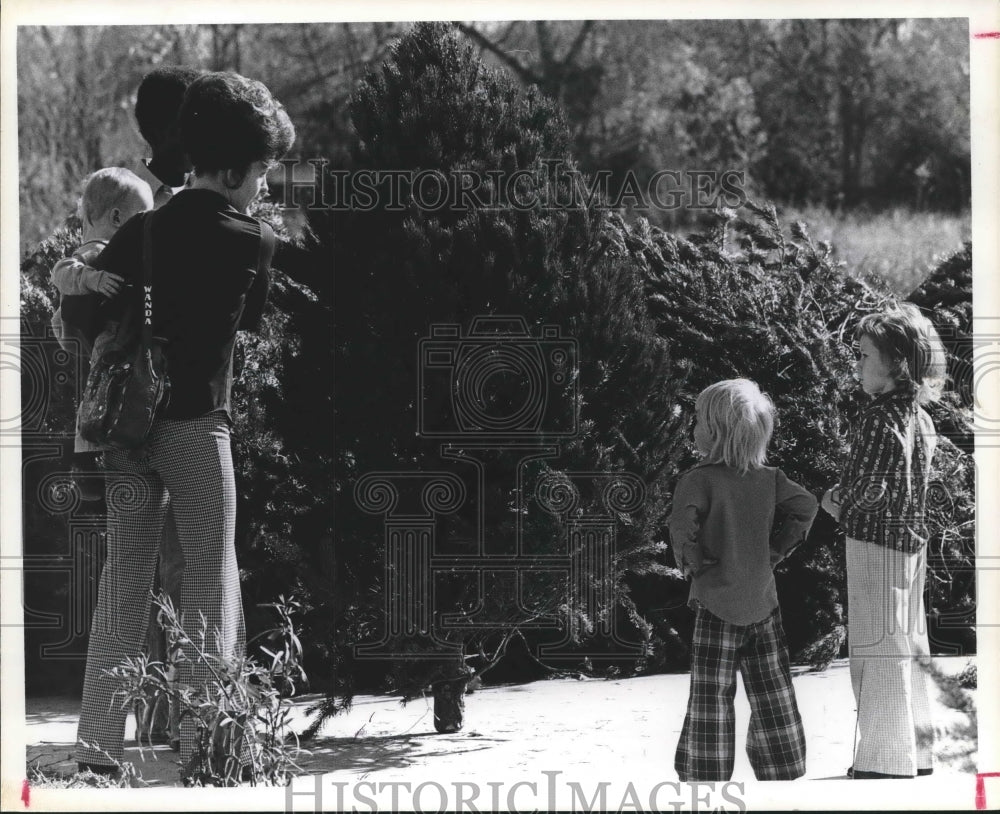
883 490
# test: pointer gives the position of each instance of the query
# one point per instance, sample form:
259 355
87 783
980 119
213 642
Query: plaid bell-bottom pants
187 465
776 744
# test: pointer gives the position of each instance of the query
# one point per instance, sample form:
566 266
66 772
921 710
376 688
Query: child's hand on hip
706 563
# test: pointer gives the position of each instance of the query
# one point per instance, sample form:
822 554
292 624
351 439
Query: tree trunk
449 702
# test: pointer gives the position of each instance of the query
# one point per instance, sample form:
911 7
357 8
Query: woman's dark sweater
206 286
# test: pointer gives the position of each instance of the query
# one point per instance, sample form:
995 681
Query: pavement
580 730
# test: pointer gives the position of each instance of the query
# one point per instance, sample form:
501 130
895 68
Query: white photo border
984 53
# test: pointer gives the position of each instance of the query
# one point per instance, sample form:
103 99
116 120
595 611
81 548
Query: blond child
881 503
110 197
733 520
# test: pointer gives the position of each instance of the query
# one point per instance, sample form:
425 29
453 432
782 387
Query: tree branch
545 49
581 37
507 32
523 71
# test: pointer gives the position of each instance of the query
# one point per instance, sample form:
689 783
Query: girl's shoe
854 774
874 775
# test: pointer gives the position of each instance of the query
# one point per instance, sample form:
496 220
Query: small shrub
956 745
241 716
968 679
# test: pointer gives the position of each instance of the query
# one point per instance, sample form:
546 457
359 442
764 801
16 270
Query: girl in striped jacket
881 505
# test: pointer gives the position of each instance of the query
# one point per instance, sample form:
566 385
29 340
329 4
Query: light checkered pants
189 465
887 636
161 717
776 744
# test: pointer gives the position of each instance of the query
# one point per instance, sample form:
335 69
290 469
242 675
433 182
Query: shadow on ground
368 754
156 766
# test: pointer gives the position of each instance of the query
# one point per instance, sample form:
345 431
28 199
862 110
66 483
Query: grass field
900 246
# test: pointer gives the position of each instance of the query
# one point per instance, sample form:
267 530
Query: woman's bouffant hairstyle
911 347
228 122
158 100
738 420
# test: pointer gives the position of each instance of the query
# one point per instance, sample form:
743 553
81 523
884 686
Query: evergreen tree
745 300
435 107
946 297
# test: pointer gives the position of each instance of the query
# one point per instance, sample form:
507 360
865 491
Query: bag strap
266 249
146 308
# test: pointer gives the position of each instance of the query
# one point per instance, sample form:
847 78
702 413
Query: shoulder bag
128 381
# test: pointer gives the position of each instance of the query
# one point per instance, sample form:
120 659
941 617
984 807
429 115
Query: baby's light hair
113 187
911 347
738 420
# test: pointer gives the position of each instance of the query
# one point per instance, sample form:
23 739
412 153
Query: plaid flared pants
776 744
187 465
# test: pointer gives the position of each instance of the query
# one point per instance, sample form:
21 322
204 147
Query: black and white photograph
466 407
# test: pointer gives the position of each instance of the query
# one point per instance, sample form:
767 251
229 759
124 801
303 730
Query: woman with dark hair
210 267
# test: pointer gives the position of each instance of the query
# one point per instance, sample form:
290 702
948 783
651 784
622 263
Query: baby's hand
106 283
